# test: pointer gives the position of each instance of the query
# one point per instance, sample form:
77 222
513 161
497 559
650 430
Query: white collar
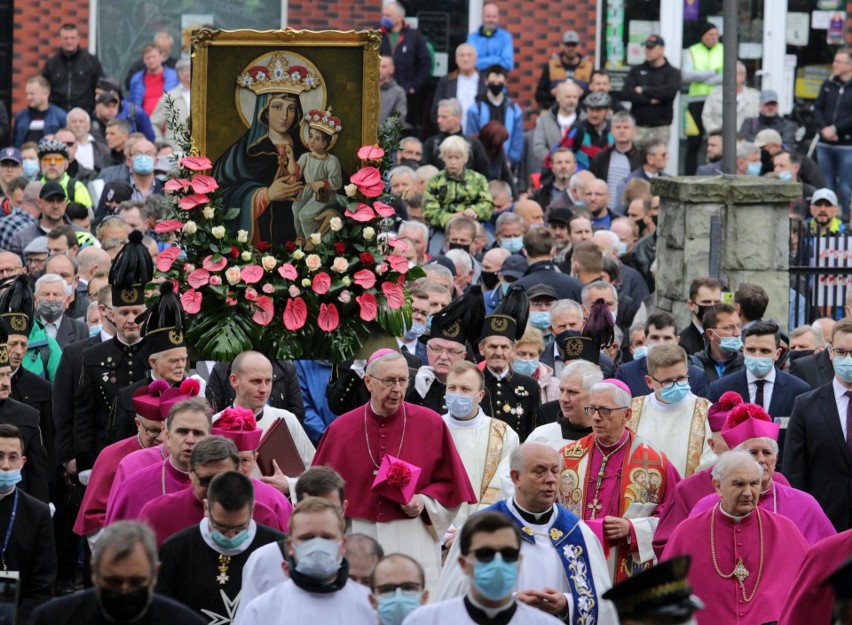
656 404
204 526
465 424
513 508
736 519
499 376
839 389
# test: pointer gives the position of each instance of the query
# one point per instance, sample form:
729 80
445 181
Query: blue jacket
313 378
479 114
137 84
496 49
139 120
54 119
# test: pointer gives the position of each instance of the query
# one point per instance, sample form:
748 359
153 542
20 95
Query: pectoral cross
740 571
595 507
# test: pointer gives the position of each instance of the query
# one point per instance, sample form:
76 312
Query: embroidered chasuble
746 572
628 479
680 431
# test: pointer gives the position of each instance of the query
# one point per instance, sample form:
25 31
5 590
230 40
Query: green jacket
41 349
445 197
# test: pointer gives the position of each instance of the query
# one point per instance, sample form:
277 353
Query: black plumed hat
162 323
460 321
131 270
4 350
17 307
510 316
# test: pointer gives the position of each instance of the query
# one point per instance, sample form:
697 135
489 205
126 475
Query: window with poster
625 26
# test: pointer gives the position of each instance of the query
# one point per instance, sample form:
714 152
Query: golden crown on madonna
278 76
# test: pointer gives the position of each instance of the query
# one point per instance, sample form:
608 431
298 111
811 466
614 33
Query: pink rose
268 288
230 301
313 262
268 262
251 294
382 269
188 268
232 275
294 291
340 264
215 281
345 297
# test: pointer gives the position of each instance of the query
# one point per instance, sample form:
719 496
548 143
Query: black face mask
119 607
702 310
495 89
654 219
802 353
459 246
640 223
490 279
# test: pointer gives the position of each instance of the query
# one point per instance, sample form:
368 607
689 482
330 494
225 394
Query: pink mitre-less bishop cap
718 412
381 352
619 384
748 421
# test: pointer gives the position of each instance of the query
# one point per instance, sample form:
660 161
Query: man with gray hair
89 151
51 299
419 233
408 520
450 114
615 480
465 84
410 149
401 180
568 419
742 551
124 572
564 572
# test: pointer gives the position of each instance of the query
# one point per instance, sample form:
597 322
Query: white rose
268 262
368 233
313 262
298 254
336 224
218 232
340 264
190 227
242 236
208 212
350 190
316 238
246 256
306 282
232 275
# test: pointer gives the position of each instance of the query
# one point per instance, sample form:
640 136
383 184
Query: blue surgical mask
759 367
30 168
504 288
843 368
95 330
540 319
730 344
513 244
754 169
525 367
459 405
416 330
785 175
640 352
393 610
676 394
386 22
622 248
143 164
318 558
428 324
495 579
229 543
9 478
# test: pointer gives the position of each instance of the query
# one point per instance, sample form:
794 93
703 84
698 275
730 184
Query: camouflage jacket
445 196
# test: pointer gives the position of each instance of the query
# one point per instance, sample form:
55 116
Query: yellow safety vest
703 60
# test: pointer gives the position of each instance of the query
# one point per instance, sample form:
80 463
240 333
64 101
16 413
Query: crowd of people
572 455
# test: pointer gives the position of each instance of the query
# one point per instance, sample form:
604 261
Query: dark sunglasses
486 554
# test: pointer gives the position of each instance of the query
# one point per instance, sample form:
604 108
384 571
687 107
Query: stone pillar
755 229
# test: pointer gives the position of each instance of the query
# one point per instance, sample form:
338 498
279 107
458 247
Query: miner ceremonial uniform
509 396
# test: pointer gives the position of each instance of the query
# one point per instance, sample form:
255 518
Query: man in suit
761 382
704 293
818 449
660 328
51 302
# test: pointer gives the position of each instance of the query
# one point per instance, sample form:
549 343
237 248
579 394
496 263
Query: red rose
235 252
340 247
290 246
263 246
366 258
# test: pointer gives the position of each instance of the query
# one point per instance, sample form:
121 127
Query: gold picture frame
235 72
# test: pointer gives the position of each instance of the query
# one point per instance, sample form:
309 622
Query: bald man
530 211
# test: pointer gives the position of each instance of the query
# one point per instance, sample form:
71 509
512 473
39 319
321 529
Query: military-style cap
575 346
661 591
131 270
510 317
162 323
16 307
460 321
4 348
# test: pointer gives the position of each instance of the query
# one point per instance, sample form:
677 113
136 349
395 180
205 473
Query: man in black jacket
616 161
652 87
833 112
72 72
723 354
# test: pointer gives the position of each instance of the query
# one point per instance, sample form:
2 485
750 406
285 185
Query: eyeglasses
602 411
204 481
224 529
842 353
448 352
154 433
684 380
391 382
52 160
408 589
486 554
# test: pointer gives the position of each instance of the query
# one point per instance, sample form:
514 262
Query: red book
278 445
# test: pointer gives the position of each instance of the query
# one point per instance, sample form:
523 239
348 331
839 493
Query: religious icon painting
302 104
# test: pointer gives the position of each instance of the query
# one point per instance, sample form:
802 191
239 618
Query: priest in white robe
561 556
483 443
671 417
